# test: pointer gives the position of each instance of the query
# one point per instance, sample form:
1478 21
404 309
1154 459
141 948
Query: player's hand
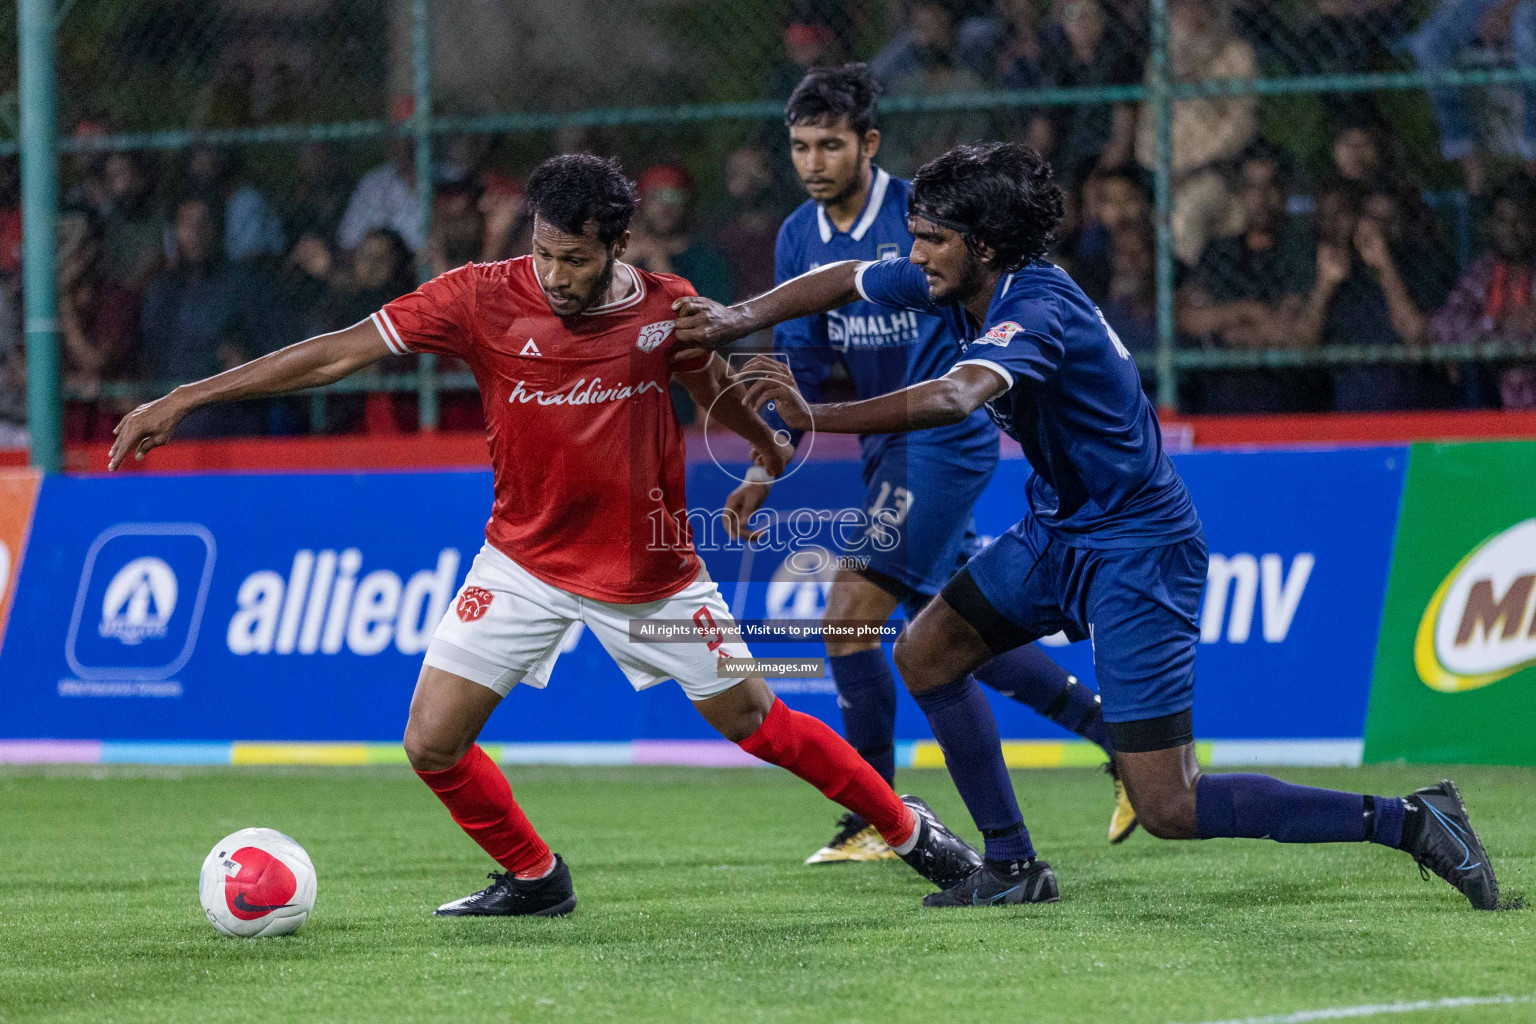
147 427
775 458
707 323
771 382
740 506
680 356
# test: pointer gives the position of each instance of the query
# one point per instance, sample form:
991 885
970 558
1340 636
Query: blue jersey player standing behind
1108 548
920 486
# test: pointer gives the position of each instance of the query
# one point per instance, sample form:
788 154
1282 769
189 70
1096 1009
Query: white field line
1378 1010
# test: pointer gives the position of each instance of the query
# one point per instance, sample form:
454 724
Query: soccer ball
257 883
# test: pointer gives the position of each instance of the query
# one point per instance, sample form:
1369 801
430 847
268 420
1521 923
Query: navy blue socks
1029 675
1385 817
962 722
1260 807
866 694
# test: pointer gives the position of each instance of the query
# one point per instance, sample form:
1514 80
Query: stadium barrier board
281 618
18 492
1455 667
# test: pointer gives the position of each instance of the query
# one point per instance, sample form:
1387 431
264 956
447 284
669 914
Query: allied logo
652 335
139 601
530 349
474 602
999 335
1480 625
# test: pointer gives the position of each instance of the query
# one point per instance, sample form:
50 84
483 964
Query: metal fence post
421 126
39 214
1162 173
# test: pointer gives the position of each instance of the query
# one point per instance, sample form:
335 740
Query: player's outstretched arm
308 364
708 324
711 389
933 403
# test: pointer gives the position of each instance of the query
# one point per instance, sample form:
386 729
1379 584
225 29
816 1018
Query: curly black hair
826 94
999 195
570 190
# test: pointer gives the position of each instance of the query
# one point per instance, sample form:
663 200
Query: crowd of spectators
173 265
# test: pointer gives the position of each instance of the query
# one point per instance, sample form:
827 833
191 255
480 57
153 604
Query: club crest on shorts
474 602
1000 335
652 335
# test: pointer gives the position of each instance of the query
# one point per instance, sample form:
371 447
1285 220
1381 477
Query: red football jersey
587 451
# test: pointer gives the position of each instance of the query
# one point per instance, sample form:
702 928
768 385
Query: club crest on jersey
474 602
652 335
1000 335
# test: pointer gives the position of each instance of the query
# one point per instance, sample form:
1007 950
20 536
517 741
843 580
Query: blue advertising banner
1300 545
297 607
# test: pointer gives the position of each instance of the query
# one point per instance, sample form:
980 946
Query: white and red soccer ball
257 883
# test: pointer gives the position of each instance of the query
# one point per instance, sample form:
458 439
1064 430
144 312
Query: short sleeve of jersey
1022 343
896 283
437 317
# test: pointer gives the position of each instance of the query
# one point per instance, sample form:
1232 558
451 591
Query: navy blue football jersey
883 350
1074 403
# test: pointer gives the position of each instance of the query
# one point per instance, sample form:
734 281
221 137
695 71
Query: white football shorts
506 625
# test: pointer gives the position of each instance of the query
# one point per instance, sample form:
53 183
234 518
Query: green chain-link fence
1273 200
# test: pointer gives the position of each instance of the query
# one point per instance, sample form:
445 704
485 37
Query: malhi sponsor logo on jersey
1480 625
872 330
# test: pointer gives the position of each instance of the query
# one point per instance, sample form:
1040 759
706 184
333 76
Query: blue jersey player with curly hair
919 486
1108 549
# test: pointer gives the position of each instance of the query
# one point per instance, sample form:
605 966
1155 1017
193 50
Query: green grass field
695 907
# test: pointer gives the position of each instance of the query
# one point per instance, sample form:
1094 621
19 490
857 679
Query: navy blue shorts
1139 606
917 504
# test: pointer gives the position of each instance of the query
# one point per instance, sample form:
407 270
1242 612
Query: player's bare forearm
710 388
312 363
933 403
318 361
704 322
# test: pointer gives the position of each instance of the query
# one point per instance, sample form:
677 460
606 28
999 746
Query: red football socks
808 748
479 797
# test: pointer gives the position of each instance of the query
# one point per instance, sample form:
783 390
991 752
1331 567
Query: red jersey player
570 348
